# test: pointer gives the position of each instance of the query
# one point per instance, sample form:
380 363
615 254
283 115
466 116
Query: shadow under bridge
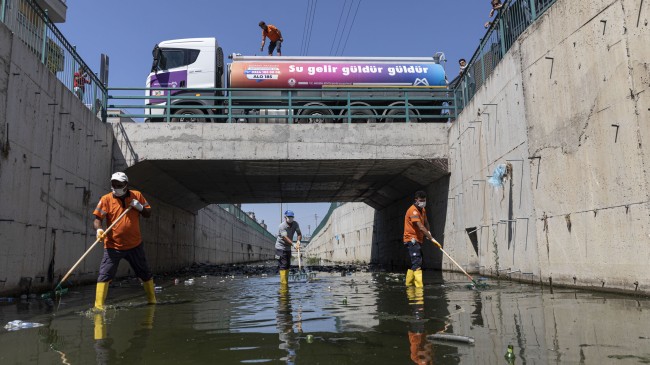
192 165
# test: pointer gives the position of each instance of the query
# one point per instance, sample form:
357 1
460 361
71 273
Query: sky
127 31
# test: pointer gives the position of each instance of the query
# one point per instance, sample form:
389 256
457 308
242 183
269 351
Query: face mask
289 219
421 204
118 192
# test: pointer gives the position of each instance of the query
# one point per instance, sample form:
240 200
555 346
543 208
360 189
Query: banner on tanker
319 74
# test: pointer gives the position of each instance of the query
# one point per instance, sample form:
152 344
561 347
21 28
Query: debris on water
18 325
452 338
510 354
189 282
345 301
176 281
204 276
158 288
310 338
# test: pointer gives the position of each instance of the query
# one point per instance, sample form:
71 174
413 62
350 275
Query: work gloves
100 234
137 205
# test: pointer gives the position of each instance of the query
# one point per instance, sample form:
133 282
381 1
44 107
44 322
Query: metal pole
290 116
167 107
533 10
406 106
44 38
502 40
2 11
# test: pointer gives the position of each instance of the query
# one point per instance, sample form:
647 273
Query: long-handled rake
58 290
476 284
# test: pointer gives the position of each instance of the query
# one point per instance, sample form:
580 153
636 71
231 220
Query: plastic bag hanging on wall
500 174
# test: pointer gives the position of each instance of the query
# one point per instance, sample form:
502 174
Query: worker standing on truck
125 240
416 228
275 38
283 244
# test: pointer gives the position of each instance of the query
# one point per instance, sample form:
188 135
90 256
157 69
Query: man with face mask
124 240
416 228
284 242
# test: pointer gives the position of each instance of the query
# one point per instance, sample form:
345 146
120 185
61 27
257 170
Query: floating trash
158 289
310 338
19 325
452 338
189 282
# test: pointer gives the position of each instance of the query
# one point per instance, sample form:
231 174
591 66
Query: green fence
512 20
328 105
242 216
31 24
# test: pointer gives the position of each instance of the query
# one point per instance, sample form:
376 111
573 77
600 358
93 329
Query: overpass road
192 165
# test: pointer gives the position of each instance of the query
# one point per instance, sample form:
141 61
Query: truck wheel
315 115
360 115
399 115
188 116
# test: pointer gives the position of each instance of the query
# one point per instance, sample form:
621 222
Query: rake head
55 293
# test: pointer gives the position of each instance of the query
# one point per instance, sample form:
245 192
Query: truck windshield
169 58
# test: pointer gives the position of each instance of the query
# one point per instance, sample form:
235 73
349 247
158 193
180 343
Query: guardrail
512 19
30 23
332 104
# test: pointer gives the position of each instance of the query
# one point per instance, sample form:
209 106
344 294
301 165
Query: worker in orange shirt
416 228
275 38
124 240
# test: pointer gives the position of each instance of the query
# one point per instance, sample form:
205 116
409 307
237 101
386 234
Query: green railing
30 23
512 20
334 105
242 216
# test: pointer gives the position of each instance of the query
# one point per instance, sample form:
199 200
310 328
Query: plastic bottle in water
18 324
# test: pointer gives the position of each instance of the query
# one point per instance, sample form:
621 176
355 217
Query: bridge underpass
192 165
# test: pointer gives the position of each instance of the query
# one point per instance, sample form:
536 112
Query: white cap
120 176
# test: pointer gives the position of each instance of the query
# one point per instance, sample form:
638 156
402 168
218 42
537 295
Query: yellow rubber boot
418 278
100 329
284 276
100 295
149 289
409 278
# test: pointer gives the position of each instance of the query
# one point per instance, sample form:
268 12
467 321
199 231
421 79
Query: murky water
359 318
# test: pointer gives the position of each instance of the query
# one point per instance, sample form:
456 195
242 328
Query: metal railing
511 21
328 105
242 216
30 23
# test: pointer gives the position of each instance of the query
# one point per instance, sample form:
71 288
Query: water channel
357 317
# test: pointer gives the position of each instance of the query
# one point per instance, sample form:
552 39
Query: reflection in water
421 349
284 320
359 318
103 345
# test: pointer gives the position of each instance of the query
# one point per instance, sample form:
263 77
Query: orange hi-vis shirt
411 230
125 235
273 33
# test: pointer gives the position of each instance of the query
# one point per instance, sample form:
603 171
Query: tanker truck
192 76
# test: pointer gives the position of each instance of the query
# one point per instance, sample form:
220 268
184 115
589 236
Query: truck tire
188 116
362 115
312 116
399 115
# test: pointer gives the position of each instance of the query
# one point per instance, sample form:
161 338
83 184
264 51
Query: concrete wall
357 233
566 108
56 159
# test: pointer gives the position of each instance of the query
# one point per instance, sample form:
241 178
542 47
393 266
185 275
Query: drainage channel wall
566 110
566 113
56 159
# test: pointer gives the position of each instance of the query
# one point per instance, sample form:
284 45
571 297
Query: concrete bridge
192 165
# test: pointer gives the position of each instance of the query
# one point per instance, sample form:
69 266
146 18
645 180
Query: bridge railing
327 105
31 24
511 21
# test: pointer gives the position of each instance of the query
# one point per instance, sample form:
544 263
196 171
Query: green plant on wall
495 250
